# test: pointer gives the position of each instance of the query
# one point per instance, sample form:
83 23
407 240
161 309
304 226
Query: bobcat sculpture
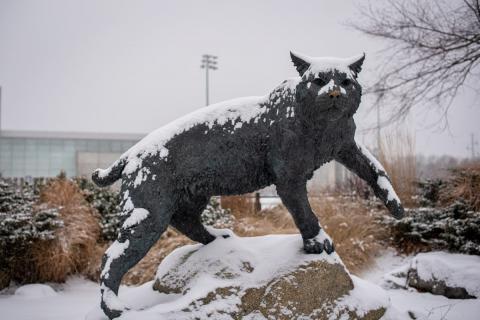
237 147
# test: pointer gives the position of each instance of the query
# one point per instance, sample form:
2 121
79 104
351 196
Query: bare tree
434 50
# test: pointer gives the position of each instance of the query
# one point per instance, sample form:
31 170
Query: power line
209 62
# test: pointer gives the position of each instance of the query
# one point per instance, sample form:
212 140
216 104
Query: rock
455 276
266 277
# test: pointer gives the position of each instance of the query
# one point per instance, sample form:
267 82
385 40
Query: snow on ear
355 64
301 62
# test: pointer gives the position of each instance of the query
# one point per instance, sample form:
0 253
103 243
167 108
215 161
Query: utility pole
379 143
208 62
379 122
473 143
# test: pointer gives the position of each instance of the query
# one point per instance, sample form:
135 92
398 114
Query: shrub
455 228
23 223
74 245
107 202
429 192
463 183
215 216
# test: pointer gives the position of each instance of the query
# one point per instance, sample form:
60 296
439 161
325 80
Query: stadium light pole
208 62
0 110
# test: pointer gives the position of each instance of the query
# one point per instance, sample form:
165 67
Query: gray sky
133 66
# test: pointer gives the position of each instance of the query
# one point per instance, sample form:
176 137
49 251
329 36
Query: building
45 154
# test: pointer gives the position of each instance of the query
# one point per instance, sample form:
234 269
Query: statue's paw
318 244
329 246
112 312
312 246
111 305
396 209
399 213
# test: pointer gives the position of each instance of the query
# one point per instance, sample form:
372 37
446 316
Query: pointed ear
300 62
356 64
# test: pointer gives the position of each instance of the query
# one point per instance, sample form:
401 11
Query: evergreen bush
22 222
215 216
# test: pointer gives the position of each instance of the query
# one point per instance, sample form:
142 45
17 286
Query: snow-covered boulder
34 291
267 277
454 276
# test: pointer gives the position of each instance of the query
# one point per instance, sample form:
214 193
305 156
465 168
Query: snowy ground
78 297
421 305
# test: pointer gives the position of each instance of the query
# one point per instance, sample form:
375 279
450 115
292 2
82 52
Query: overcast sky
133 66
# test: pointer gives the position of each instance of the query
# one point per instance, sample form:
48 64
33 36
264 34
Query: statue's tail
105 177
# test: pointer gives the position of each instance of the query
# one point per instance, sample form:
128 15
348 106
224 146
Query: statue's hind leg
186 219
137 235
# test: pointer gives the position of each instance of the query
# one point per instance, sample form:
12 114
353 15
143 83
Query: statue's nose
334 93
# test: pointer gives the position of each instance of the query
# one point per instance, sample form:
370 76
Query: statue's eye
319 82
346 82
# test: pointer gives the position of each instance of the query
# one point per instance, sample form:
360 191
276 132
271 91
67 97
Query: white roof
71 135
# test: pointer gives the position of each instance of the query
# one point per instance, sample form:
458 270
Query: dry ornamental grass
464 183
76 243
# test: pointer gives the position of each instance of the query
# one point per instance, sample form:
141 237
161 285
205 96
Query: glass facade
47 156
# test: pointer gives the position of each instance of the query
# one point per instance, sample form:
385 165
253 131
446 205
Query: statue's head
328 88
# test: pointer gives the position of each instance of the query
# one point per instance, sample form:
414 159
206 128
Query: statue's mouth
334 106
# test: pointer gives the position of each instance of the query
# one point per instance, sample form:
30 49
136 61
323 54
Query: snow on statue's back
236 147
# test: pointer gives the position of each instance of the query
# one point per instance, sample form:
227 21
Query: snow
375 163
103 173
382 180
327 88
113 252
270 202
71 301
75 299
385 184
144 172
431 307
35 291
321 237
445 266
355 300
268 256
111 299
393 267
326 64
137 216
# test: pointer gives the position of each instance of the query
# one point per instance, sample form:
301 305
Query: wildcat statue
237 147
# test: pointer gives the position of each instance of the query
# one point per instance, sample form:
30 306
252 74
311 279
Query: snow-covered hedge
449 216
22 219
454 228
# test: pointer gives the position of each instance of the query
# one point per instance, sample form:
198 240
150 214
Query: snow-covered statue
237 147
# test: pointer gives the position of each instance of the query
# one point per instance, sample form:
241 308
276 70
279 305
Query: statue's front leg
294 197
360 161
